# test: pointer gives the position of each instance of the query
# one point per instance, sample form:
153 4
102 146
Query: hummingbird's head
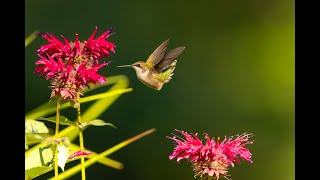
140 67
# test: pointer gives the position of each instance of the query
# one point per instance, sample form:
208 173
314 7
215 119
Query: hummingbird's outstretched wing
168 59
157 54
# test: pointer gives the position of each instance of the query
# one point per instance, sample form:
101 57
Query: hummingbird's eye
138 65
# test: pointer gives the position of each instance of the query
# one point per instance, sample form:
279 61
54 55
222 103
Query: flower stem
56 170
83 170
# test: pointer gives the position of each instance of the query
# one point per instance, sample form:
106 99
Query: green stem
83 170
56 170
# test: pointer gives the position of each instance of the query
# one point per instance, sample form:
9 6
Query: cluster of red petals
212 158
72 65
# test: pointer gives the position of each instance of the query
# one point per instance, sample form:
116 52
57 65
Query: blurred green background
236 75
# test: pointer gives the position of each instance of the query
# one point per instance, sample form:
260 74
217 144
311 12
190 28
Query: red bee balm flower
72 65
212 159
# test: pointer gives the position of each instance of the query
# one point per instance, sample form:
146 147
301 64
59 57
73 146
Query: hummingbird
158 68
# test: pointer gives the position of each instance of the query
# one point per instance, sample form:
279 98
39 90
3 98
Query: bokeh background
236 75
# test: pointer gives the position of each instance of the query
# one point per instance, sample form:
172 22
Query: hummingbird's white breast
149 79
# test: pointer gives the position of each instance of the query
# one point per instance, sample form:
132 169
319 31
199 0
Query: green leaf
62 120
36 171
68 173
35 127
63 154
120 84
66 141
33 138
97 122
41 156
25 143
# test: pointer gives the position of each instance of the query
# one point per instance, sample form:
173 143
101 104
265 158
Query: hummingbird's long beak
125 66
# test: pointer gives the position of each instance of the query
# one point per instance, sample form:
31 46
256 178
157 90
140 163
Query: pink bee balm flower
72 65
212 159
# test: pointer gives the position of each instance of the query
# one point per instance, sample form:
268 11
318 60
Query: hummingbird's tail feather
172 67
166 75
